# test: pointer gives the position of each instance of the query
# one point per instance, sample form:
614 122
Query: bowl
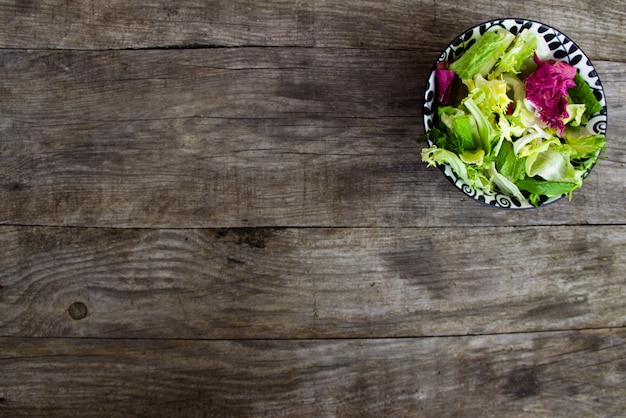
561 48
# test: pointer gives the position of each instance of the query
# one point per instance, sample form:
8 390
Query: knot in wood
77 310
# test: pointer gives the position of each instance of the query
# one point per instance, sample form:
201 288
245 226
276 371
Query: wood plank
559 374
309 283
141 143
422 25
245 137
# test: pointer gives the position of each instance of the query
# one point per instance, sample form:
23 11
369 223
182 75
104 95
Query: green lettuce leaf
486 132
538 189
552 165
483 54
515 85
491 95
470 174
508 164
582 93
520 52
504 184
462 126
580 144
575 114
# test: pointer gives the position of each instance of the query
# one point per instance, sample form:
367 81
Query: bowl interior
561 47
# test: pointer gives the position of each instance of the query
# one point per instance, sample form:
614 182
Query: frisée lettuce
520 127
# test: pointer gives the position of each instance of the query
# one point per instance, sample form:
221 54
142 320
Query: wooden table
219 209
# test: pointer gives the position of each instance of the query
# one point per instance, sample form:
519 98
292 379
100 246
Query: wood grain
404 24
522 375
217 208
310 283
245 137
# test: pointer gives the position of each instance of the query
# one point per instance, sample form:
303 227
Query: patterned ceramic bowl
561 48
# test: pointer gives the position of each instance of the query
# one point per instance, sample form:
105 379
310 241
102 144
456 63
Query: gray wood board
573 373
246 137
310 282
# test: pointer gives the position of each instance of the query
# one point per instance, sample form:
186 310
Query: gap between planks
374 338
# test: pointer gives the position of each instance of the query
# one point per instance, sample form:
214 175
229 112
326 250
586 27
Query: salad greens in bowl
514 114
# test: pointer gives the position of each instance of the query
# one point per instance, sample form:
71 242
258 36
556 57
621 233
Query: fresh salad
511 120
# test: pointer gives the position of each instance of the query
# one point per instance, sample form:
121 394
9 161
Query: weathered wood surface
252 137
404 24
547 374
310 283
142 144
